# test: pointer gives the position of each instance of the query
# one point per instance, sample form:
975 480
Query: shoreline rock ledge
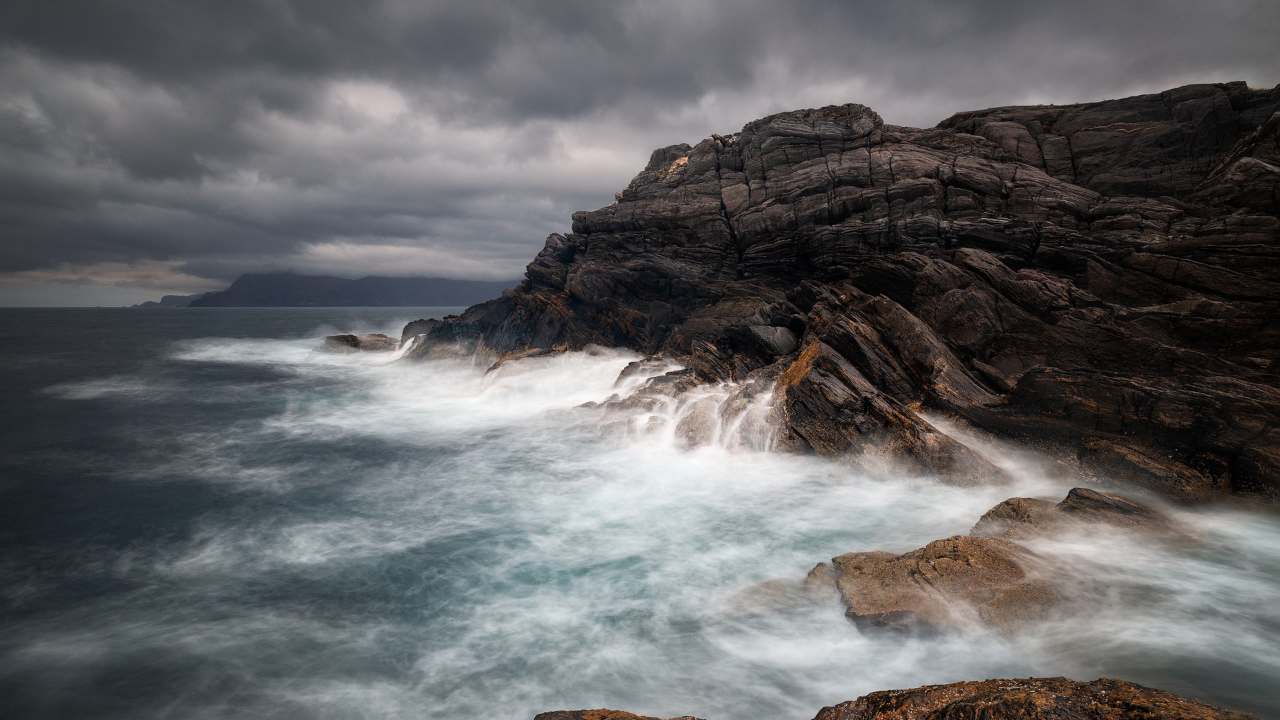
1007 699
1102 278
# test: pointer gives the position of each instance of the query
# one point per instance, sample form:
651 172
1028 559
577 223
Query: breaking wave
447 540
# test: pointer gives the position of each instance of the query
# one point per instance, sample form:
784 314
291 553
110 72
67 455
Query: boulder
988 577
947 582
370 342
1026 699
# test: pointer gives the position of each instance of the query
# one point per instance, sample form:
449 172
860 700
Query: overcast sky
155 147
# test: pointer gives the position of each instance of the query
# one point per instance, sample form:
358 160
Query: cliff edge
1102 277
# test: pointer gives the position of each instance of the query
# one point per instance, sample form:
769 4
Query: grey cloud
217 137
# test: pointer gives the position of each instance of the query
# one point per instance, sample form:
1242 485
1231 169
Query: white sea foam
500 551
135 387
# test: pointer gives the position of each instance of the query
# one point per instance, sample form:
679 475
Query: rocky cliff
1102 278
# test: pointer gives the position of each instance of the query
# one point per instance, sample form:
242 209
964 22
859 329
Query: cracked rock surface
1101 277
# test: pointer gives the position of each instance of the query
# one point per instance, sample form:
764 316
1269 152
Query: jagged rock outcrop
1101 277
991 577
1026 517
1053 698
1150 145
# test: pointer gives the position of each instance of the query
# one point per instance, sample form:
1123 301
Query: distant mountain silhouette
171 301
293 290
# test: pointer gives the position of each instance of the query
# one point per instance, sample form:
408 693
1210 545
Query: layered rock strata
1101 277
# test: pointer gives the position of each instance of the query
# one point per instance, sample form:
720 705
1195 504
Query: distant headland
293 290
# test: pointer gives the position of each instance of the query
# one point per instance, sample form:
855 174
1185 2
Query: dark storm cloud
174 145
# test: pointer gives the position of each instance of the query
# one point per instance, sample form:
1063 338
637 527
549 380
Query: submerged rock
1023 517
372 342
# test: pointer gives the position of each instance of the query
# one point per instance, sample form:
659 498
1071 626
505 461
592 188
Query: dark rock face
1150 145
370 342
1103 277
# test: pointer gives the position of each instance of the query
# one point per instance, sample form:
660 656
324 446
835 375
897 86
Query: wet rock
418 327
1192 438
372 342
831 408
989 577
698 422
1101 276
653 392
1026 699
1091 505
642 368
775 340
943 584
1018 517
514 356
1024 517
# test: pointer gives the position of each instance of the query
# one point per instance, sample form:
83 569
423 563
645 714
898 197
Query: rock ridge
1102 278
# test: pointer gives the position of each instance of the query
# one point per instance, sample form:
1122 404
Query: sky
151 147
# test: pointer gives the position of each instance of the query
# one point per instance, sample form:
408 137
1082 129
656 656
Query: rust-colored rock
1053 698
1026 699
950 581
988 577
831 408
371 342
1102 277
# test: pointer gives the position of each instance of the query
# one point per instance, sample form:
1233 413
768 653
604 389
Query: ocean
205 515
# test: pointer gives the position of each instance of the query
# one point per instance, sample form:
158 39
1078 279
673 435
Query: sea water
205 515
